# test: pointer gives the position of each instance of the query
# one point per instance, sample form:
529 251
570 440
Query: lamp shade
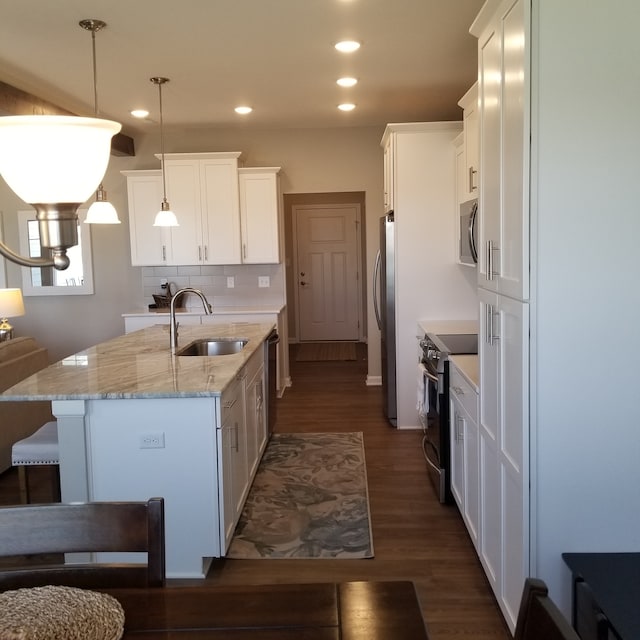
11 303
54 159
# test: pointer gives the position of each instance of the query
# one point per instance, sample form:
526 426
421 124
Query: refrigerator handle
376 271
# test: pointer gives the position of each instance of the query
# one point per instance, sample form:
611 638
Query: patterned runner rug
309 499
318 351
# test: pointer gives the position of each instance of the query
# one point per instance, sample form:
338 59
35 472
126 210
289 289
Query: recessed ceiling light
243 110
139 113
347 46
346 107
347 82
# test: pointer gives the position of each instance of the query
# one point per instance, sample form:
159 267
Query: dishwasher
271 372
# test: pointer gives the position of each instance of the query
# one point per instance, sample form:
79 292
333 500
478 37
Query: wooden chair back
539 617
58 528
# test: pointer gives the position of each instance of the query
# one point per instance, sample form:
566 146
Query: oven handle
425 440
427 370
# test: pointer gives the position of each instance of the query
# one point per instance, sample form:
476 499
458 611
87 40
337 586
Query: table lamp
11 305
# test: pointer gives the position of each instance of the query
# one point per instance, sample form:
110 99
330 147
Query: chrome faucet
173 325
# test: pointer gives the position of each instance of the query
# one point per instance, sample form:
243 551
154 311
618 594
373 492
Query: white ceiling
417 59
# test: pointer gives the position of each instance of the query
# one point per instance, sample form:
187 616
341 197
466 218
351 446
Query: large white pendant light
165 217
54 163
101 211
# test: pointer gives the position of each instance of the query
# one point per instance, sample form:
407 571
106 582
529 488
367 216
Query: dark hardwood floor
415 537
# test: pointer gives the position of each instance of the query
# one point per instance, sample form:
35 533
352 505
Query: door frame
322 201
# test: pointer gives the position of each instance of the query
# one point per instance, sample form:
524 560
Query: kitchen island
135 421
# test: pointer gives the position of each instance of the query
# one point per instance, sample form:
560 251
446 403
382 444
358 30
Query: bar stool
40 448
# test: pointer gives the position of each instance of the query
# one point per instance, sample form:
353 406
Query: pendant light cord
164 183
95 74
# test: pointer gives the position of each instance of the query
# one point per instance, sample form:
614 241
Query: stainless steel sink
213 347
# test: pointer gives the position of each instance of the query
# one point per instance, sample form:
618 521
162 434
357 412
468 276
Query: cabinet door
255 420
504 453
260 216
457 420
183 193
504 151
220 211
232 461
388 175
470 119
460 174
150 245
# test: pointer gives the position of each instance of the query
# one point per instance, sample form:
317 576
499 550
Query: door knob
302 273
303 283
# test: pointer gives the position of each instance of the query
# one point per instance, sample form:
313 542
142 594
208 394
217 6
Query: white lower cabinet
465 472
232 460
242 438
504 462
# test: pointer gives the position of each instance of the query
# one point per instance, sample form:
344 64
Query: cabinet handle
206 254
244 251
459 432
491 248
472 174
199 253
164 253
237 445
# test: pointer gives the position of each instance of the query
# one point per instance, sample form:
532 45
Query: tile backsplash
213 281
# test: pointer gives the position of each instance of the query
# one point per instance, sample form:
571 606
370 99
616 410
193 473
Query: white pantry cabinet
202 189
465 474
470 123
576 196
260 214
503 90
504 447
149 245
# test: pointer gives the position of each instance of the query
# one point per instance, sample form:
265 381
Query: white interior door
327 271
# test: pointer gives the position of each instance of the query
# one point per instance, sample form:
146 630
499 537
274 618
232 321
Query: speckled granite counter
135 422
140 365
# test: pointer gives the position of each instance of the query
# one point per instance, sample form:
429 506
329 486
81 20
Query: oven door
431 441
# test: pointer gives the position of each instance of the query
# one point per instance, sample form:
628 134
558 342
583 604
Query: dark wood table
341 611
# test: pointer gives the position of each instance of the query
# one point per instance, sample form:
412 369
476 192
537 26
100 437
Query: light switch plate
264 281
231 282
152 440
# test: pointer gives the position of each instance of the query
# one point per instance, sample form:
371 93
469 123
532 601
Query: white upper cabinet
260 215
388 168
202 189
503 92
149 245
469 104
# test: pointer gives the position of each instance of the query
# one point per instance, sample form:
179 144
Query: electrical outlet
152 440
264 281
163 283
231 282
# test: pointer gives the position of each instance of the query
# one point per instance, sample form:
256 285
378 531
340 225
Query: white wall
345 159
586 299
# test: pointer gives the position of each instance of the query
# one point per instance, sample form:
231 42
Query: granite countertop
448 326
140 365
468 366
217 311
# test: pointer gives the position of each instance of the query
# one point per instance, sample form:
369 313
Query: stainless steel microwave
468 233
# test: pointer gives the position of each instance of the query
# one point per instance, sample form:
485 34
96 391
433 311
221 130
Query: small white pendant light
101 211
165 217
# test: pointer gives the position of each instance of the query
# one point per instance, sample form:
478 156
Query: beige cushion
59 612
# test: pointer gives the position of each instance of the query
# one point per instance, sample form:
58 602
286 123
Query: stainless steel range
433 403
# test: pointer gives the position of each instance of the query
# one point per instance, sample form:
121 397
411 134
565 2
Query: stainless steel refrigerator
384 302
